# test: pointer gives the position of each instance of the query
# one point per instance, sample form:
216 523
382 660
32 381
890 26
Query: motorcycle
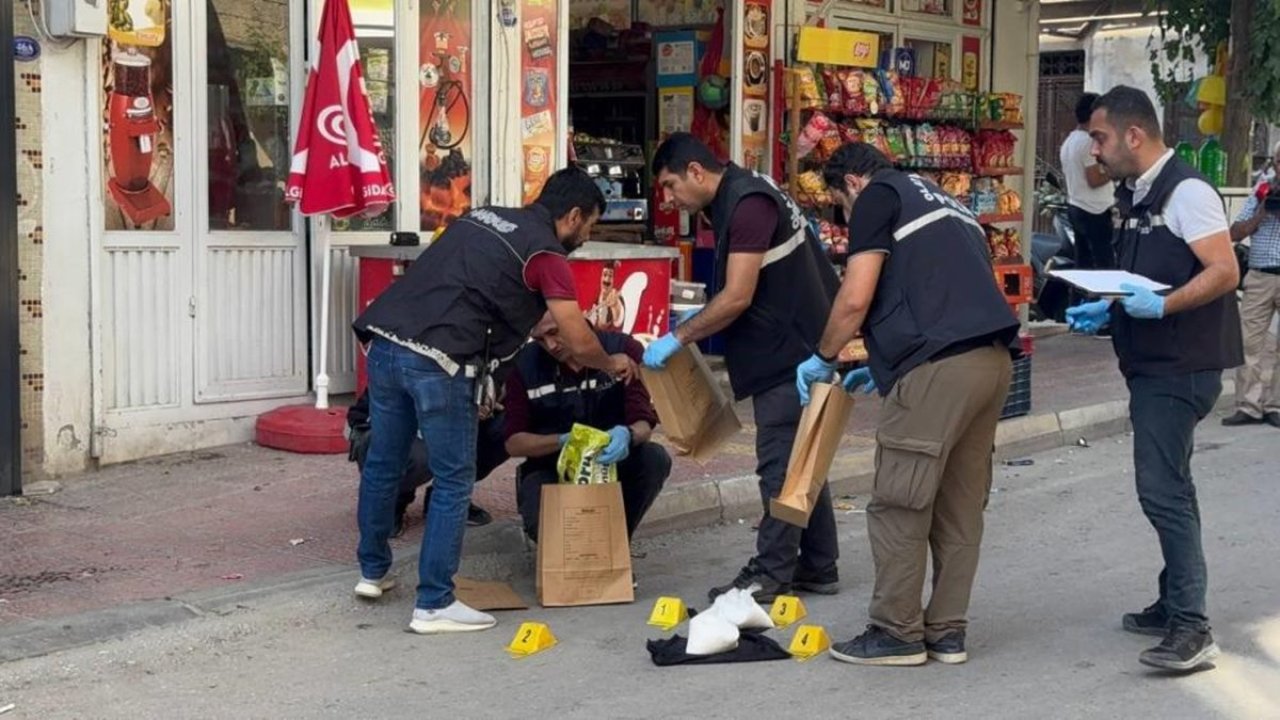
1055 251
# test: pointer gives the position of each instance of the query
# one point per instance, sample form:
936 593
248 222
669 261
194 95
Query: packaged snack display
814 131
835 91
810 190
993 150
1005 245
806 88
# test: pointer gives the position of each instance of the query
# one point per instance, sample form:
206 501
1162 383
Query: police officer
463 310
773 289
548 392
1172 349
940 336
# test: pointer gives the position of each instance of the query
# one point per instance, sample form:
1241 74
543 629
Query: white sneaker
458 617
373 589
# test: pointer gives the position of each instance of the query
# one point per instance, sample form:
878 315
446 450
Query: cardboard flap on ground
821 428
488 596
697 415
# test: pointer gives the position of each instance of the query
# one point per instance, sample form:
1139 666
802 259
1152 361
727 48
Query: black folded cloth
752 647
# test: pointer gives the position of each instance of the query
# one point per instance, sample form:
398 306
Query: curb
682 508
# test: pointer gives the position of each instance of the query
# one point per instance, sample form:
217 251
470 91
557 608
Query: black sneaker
816 583
1184 649
1272 418
1153 621
949 649
877 647
1239 418
478 516
769 590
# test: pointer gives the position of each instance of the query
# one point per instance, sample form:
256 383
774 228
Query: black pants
783 550
1165 412
491 452
1094 239
641 475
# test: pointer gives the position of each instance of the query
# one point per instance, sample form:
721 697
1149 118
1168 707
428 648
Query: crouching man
547 392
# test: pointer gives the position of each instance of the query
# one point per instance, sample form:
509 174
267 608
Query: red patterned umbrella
338 165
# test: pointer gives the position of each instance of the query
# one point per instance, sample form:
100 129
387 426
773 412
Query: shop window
927 7
445 140
138 145
375 32
248 114
1181 121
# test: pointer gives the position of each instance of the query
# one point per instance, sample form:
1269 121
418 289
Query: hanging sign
25 49
849 48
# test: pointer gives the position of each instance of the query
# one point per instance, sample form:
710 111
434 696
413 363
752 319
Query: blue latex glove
619 446
860 378
687 315
813 370
660 351
1089 318
564 440
1142 304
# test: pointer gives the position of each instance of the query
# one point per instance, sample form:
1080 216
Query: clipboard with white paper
1106 283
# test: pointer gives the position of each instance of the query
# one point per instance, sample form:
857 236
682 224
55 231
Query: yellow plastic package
577 464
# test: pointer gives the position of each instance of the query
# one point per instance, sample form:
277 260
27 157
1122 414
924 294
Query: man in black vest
463 310
773 288
549 391
1172 349
940 337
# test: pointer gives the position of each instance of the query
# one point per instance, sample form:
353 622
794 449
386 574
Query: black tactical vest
797 284
558 398
936 289
1204 338
467 289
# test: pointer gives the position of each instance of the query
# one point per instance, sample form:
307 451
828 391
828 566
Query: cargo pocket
908 471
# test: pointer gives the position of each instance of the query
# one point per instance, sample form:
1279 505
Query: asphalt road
1067 551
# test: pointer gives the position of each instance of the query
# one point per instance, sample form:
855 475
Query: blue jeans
1165 412
408 394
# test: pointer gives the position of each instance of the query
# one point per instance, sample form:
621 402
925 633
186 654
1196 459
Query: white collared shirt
1194 211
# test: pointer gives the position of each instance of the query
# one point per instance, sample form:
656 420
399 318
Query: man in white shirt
1090 194
1172 348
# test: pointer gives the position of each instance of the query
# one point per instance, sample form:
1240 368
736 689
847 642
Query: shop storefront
188 285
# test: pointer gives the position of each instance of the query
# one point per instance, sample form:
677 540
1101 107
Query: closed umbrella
338 165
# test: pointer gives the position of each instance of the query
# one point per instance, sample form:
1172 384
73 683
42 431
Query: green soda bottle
1213 162
1187 152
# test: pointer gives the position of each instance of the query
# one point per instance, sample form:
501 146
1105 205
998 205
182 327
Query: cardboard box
584 556
821 428
696 413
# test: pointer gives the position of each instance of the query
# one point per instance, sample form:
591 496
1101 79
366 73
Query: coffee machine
131 133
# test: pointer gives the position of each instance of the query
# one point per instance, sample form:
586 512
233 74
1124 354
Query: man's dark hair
855 158
1084 107
1130 107
678 150
568 189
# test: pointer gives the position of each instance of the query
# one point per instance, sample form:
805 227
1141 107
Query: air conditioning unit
76 18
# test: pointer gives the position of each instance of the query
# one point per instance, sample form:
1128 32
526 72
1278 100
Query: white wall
1119 57
67 250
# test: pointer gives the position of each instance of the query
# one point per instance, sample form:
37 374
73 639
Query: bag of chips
577 464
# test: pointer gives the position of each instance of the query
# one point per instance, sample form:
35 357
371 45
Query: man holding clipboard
1172 348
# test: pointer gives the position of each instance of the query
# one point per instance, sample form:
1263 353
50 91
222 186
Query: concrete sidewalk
243 518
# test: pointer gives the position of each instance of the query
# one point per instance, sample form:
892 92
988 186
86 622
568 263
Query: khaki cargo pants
933 476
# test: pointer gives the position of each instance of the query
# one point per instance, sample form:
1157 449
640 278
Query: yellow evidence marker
532 637
786 610
809 641
668 612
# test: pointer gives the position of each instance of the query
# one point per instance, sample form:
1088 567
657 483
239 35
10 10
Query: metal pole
10 382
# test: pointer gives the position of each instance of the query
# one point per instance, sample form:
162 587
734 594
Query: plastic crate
1019 402
1015 282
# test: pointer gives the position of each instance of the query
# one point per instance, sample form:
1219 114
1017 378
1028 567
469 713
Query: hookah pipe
439 132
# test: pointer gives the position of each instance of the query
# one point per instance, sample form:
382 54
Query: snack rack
967 139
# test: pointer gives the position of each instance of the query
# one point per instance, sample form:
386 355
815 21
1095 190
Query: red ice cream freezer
625 288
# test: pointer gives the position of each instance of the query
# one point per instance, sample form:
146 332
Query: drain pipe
10 382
